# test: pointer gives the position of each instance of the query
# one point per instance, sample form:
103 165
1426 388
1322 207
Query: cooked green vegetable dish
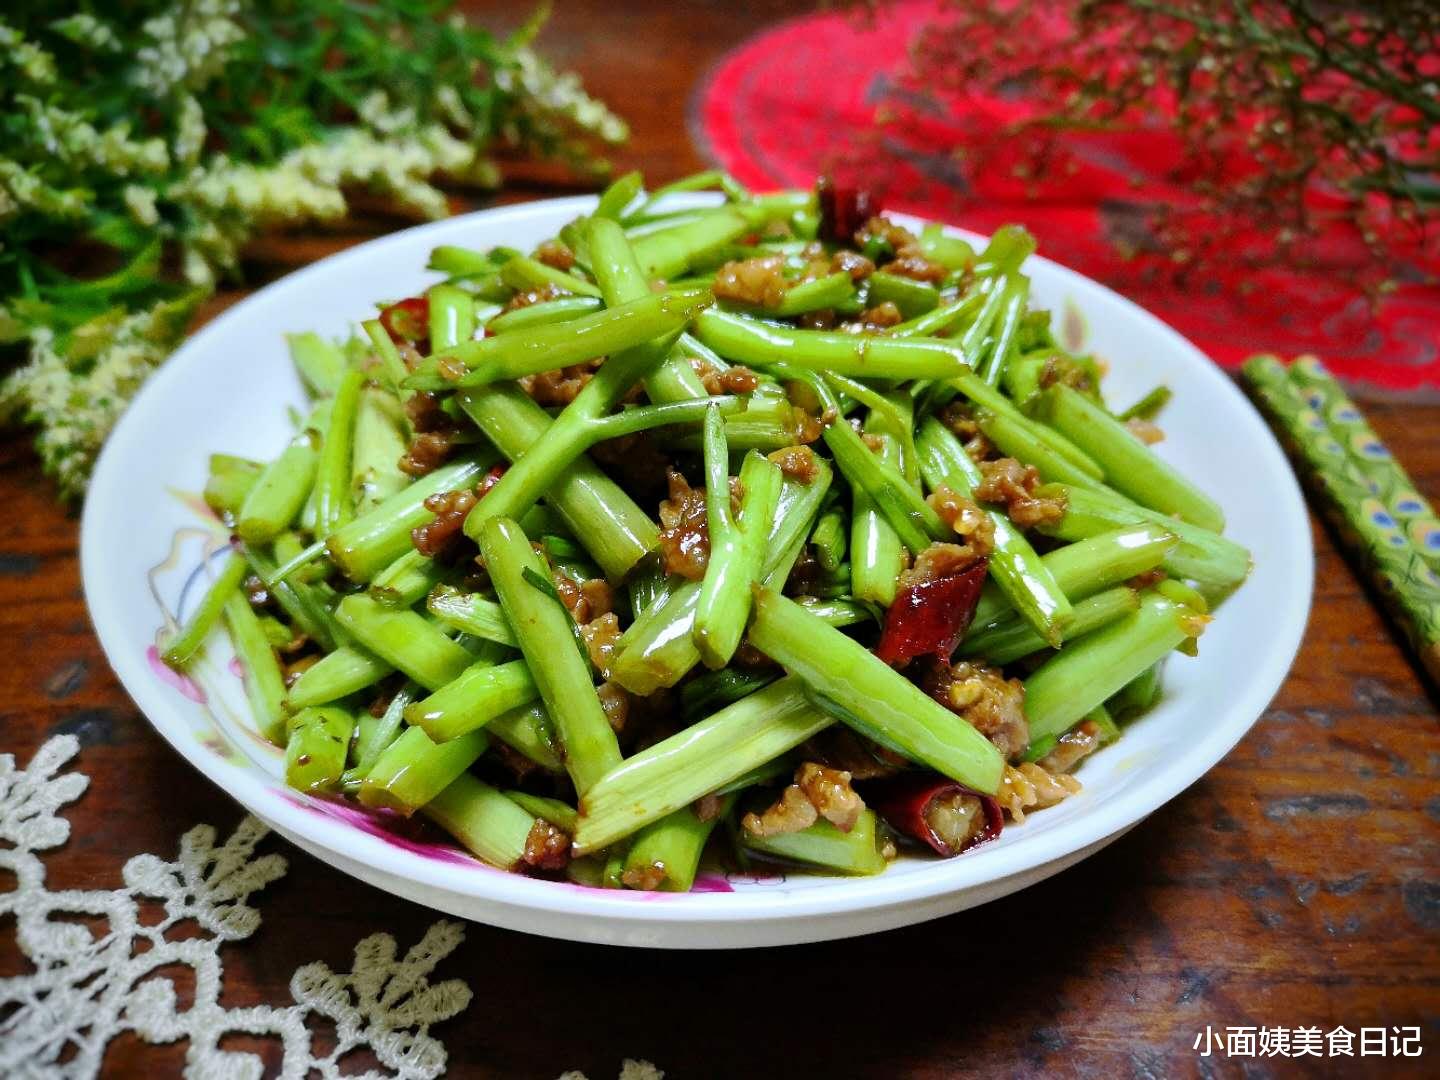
766 528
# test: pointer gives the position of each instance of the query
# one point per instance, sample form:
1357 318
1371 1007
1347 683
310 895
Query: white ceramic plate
145 535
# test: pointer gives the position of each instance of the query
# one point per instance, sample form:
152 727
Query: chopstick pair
1388 526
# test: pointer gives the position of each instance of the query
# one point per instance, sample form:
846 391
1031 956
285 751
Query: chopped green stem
659 647
560 814
264 682
622 281
1077 679
913 298
666 853
522 273
529 732
900 504
545 632
619 195
280 492
229 483
471 613
715 689
343 672
1149 406
1130 466
829 539
392 365
413 770
317 742
667 253
563 310
319 363
829 291
943 319
752 341
488 823
639 418
1140 693
333 504
951 252
737 545
1014 566
479 694
1214 562
544 348
181 649
838 611
306 605
877 557
857 852
369 746
1010 637
404 639
379 445
407 580
459 262
1016 296
583 423
452 316
374 540
1084 568
986 396
703 757
616 532
870 695
1018 440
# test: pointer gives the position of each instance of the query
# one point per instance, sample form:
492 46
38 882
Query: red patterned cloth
802 98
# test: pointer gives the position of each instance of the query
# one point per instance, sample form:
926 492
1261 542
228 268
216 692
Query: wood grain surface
1297 884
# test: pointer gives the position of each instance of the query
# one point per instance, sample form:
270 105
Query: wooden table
1296 884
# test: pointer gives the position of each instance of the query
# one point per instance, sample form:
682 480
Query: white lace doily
86 988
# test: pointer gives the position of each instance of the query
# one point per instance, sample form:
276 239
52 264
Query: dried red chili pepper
843 210
932 616
407 320
925 807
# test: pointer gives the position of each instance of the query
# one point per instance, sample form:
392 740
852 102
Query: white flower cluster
33 62
72 139
559 95
77 395
227 201
187 46
21 189
85 29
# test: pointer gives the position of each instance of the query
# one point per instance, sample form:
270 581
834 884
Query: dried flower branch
140 154
1284 120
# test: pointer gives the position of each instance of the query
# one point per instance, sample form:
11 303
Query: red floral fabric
804 97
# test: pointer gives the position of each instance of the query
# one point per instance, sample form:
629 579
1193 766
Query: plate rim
709 912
